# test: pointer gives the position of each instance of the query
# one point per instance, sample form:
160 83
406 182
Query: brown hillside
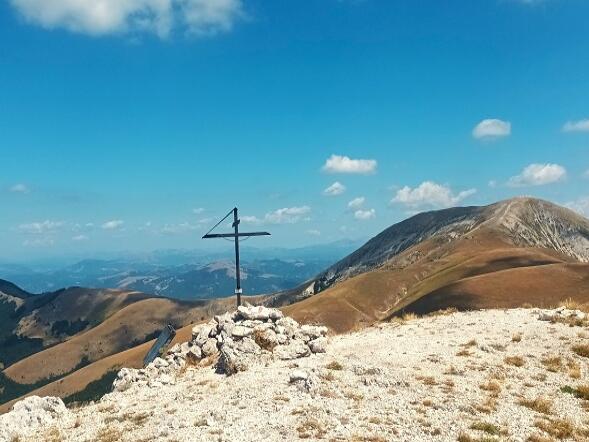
119 332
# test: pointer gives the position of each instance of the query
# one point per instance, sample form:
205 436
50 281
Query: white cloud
364 215
287 215
538 175
492 184
313 232
491 128
113 224
198 210
356 203
576 126
430 194
343 164
248 219
586 174
335 189
39 228
79 238
20 188
160 17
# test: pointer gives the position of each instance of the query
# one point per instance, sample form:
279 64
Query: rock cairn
232 342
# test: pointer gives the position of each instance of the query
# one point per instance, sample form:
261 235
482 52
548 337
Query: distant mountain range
184 274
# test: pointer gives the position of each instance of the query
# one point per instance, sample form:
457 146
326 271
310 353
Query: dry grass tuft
463 352
581 350
553 363
444 312
559 428
311 428
334 366
463 437
492 386
571 304
538 438
109 435
516 338
574 369
487 428
427 380
516 361
541 405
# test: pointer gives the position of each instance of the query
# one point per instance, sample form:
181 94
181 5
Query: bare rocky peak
525 222
536 223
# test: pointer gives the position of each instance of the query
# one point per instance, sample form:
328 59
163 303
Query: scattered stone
318 345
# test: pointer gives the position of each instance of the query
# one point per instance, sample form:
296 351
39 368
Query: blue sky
132 125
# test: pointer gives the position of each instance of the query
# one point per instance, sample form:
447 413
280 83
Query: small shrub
581 392
552 364
541 405
582 350
516 338
463 352
517 361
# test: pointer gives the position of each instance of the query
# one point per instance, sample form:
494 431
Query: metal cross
235 235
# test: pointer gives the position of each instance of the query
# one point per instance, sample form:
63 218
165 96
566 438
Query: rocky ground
517 375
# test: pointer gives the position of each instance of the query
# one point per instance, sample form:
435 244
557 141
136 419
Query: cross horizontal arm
232 235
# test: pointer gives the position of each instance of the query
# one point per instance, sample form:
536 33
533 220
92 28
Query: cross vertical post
235 235
237 272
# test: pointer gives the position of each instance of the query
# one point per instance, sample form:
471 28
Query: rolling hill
47 337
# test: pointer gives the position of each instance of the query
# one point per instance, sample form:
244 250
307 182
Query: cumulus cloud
198 210
113 224
491 128
40 228
364 215
160 17
287 215
430 194
313 232
343 164
335 189
576 126
20 188
356 203
538 175
78 238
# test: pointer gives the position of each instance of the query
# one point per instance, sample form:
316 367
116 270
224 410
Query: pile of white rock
29 414
233 342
